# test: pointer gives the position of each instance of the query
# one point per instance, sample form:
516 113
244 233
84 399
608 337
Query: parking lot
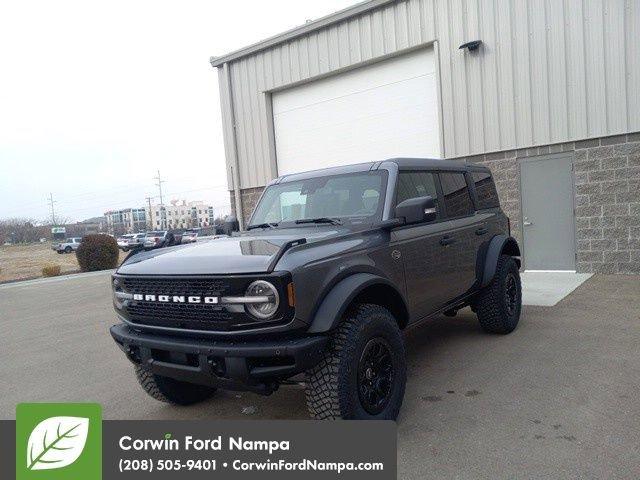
557 398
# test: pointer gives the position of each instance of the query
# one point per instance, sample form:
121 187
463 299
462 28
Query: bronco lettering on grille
174 298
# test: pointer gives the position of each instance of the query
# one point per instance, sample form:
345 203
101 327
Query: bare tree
22 230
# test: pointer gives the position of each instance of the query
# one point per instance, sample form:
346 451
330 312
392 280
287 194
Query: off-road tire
169 390
68 250
332 385
492 305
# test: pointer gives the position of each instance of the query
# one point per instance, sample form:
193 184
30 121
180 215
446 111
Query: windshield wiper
332 221
263 225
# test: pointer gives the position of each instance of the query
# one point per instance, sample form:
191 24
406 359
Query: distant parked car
123 242
189 236
158 239
68 246
138 239
130 241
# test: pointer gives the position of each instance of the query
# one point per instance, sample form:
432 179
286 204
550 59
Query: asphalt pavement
558 398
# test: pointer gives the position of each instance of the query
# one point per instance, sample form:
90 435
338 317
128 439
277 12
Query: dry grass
19 262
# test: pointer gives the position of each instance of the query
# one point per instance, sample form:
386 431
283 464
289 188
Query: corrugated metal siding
549 71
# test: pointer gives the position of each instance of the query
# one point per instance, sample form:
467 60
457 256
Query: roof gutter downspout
233 154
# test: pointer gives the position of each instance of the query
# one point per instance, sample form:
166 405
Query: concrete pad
557 398
545 289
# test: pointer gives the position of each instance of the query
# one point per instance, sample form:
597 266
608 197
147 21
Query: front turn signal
291 295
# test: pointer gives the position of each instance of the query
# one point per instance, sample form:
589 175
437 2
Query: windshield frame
381 211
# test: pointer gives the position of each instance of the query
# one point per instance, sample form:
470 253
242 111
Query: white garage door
385 110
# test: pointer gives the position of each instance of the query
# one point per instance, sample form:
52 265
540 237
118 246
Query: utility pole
150 221
53 212
159 185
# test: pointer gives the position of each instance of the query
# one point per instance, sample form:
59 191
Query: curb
60 278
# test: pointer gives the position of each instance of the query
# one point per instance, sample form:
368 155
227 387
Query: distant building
182 215
89 226
128 220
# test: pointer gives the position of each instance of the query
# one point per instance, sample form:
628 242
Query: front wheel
169 390
67 250
363 374
498 305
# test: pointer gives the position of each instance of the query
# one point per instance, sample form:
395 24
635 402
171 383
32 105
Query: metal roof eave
318 24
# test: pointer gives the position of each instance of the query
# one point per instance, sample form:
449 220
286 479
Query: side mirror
231 225
417 210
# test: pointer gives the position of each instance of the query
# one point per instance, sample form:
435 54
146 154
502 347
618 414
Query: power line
150 221
53 212
159 185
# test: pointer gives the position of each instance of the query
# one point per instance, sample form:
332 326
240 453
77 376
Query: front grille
177 286
193 316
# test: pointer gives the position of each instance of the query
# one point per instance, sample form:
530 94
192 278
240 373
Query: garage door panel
387 72
385 110
400 97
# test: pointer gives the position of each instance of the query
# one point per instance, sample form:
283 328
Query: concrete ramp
545 289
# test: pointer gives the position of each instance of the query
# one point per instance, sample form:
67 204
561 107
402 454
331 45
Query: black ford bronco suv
334 264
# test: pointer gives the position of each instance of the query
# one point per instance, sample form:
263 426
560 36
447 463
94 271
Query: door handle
445 241
481 231
526 224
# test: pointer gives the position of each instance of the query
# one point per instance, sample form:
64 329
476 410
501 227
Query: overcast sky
96 96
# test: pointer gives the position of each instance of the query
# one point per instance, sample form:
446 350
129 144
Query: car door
459 240
419 247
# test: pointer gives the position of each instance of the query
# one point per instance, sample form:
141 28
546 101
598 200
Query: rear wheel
363 374
499 304
169 390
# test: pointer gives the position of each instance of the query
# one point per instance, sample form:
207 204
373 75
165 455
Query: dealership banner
71 441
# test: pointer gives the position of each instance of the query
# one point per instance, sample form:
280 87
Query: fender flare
498 245
334 305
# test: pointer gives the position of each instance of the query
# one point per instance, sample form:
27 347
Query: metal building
549 100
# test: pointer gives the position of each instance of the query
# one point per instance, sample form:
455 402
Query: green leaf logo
56 442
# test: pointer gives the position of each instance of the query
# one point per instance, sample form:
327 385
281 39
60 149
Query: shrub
97 252
51 270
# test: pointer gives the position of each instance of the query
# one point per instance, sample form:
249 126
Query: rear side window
415 184
457 199
485 190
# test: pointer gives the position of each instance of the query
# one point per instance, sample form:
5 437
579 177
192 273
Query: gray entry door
547 213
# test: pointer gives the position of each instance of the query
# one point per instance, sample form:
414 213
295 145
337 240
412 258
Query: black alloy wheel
375 376
511 294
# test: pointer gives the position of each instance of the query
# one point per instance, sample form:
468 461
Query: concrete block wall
607 198
249 198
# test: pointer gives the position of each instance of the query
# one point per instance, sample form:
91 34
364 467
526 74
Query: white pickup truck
68 246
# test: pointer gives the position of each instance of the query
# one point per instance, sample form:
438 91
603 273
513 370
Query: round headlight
267 309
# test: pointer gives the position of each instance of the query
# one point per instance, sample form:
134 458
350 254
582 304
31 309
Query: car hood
249 252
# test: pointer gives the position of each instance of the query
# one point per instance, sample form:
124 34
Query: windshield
155 234
353 197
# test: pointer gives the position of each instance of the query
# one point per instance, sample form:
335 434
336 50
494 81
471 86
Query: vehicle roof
402 163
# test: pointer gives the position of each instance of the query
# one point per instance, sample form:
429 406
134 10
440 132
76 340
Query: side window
457 199
485 189
416 184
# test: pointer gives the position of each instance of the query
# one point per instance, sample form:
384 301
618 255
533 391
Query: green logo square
58 441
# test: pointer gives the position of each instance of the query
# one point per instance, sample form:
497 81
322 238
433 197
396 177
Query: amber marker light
291 295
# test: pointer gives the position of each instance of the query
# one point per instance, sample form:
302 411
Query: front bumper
256 365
